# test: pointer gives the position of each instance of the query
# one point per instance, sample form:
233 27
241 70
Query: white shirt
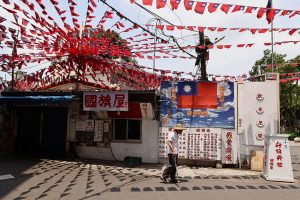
173 138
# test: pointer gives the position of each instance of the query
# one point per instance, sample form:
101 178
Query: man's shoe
164 180
174 181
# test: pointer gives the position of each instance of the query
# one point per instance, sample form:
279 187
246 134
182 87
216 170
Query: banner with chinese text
229 146
194 143
105 101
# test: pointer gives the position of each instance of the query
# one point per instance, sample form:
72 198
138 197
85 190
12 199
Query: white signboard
89 125
80 125
277 159
146 110
258 111
194 143
105 101
98 132
204 144
229 146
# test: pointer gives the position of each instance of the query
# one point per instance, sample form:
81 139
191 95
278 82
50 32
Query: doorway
41 131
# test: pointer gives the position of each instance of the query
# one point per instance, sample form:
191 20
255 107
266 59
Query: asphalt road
59 179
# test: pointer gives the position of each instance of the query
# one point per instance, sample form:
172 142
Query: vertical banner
147 111
229 146
98 132
105 101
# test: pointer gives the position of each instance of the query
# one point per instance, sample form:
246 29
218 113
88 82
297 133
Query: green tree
289 91
266 61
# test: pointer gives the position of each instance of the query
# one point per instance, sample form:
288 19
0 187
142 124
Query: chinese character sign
229 146
147 110
194 143
105 101
277 159
98 132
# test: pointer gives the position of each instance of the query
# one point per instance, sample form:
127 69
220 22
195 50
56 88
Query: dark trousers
170 170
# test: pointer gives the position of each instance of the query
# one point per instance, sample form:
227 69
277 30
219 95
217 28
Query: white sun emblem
187 88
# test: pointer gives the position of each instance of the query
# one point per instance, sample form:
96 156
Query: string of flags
211 7
290 31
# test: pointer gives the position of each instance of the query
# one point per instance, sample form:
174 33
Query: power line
172 37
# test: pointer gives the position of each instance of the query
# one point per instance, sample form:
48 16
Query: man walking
173 148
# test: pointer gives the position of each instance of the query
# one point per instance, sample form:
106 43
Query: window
127 129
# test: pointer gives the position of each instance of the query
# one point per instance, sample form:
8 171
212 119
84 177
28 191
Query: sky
233 61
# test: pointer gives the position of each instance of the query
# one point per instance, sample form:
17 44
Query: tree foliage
289 91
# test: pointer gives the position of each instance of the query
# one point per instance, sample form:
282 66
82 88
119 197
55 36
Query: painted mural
219 116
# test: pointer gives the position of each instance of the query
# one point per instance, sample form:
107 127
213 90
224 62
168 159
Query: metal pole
154 53
272 40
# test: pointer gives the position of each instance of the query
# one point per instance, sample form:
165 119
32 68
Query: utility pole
203 56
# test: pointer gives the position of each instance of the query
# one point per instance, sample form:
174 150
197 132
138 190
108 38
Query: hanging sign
146 110
105 101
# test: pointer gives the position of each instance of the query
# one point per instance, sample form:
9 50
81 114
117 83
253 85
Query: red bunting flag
238 8
174 4
200 7
295 13
261 12
160 3
6 1
188 4
249 9
225 8
286 12
270 12
148 2
93 3
212 7
24 22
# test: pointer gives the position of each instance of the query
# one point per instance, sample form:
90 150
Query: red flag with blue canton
160 3
225 8
238 8
188 4
200 7
174 4
193 94
148 2
212 7
261 12
270 12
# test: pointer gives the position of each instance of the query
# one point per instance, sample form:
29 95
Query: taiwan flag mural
197 104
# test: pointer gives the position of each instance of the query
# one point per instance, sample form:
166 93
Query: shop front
114 125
